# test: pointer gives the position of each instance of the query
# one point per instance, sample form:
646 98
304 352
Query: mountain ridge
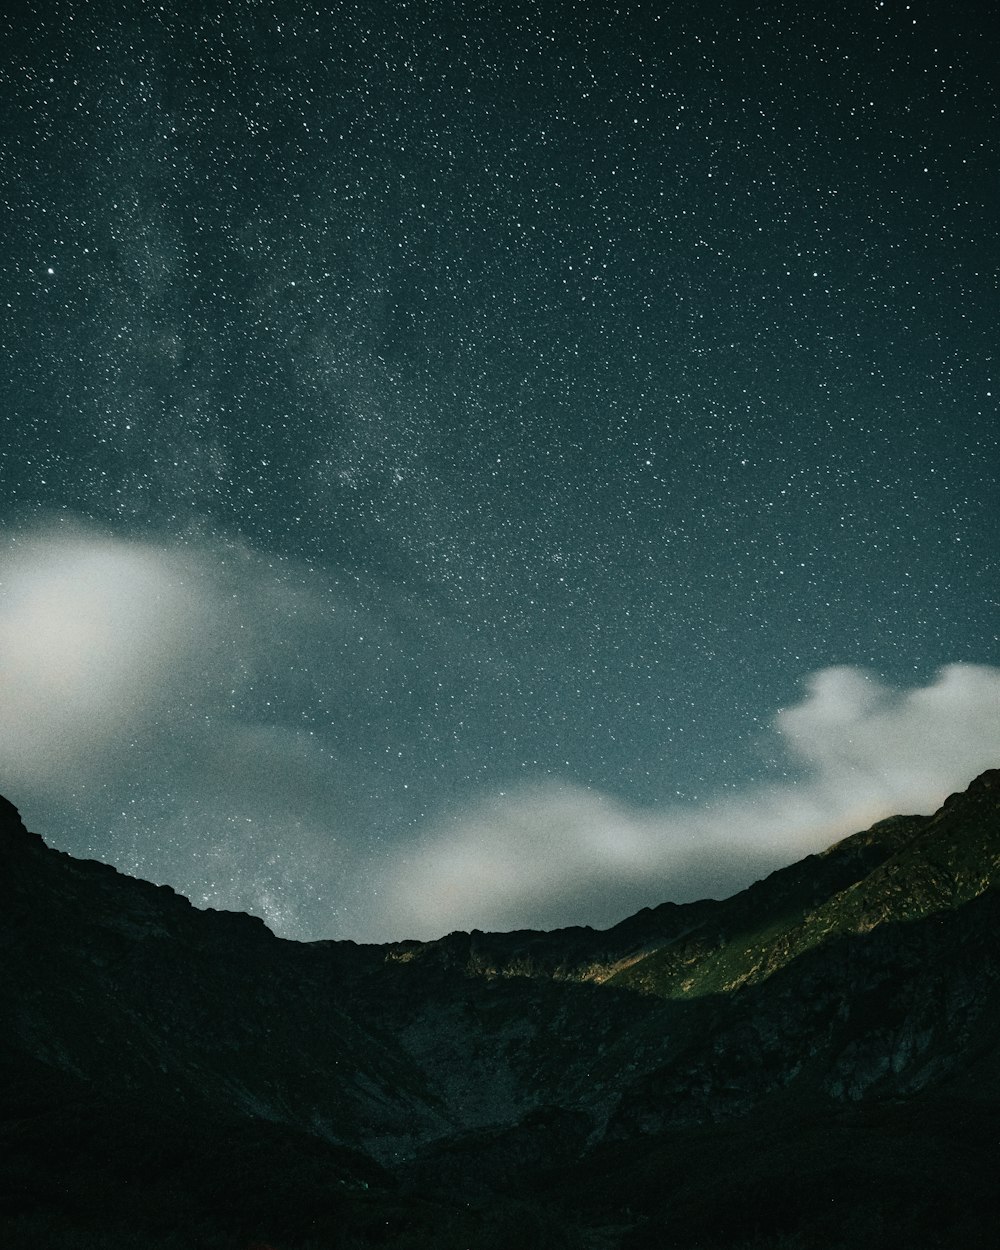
412 1076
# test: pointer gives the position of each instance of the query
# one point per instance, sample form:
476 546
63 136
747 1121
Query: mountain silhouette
812 1062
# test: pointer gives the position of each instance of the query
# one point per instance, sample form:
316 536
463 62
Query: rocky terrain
813 1062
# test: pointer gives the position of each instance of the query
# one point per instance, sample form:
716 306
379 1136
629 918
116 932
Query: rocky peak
10 817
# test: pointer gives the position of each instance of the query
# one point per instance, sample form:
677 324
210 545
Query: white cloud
886 746
137 692
562 855
92 631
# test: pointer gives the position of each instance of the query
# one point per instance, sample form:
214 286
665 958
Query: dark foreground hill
811 1063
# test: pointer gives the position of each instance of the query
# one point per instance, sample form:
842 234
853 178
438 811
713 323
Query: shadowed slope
156 1050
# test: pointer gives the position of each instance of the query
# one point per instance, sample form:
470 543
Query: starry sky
473 465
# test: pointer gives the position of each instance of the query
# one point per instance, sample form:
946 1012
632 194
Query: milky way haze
473 467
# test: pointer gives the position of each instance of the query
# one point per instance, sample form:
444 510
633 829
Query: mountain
812 1062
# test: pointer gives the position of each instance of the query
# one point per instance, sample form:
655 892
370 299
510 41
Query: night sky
474 465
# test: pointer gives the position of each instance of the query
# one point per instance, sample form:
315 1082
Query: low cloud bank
562 855
156 698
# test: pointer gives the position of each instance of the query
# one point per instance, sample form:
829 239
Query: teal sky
518 402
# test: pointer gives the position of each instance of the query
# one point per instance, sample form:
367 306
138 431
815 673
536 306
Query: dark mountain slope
124 984
189 1075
